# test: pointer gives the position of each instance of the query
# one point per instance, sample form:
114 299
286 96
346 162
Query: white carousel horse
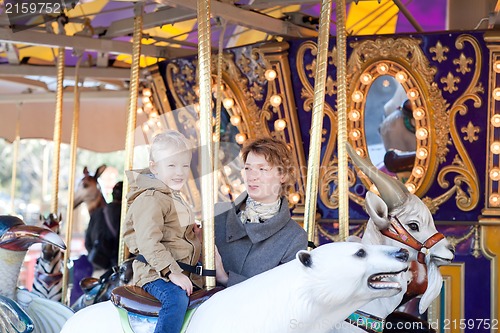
49 267
399 218
89 191
45 315
309 294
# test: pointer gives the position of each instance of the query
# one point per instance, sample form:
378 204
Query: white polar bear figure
309 294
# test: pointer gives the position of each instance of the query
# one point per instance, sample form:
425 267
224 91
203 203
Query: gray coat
252 248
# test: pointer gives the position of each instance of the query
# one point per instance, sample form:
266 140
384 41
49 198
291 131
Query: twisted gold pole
132 118
317 121
207 186
71 187
15 153
57 130
218 111
342 122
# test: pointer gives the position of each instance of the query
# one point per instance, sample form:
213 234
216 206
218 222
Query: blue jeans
174 303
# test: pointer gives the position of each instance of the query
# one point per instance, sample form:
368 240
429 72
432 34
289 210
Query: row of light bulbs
494 173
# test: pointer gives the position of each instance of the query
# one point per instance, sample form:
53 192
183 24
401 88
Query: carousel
389 117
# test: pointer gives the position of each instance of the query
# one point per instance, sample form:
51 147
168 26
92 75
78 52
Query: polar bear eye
361 253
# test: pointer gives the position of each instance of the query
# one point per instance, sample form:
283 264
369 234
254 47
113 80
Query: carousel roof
100 31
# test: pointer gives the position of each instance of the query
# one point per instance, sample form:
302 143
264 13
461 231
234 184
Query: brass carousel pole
218 111
71 186
207 186
57 131
132 117
15 153
342 122
317 120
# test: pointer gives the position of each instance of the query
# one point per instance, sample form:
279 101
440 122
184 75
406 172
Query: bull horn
393 192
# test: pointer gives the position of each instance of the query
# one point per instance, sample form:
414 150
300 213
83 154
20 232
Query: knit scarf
257 212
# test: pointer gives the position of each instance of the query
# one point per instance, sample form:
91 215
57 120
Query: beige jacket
159 225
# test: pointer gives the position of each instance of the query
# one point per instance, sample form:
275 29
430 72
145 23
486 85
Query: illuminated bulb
145 127
419 114
275 100
411 187
422 134
496 94
496 66
495 120
148 105
422 153
360 152
227 170
153 114
354 115
146 92
145 100
270 74
495 174
151 122
158 123
401 77
140 111
382 68
294 198
225 189
494 199
279 125
354 134
235 120
495 147
240 138
366 78
412 94
357 96
228 102
417 172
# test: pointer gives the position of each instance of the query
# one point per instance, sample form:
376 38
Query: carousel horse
399 218
89 191
308 294
48 269
398 129
98 290
44 315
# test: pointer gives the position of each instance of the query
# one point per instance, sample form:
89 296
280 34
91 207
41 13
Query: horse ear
305 258
85 171
377 209
100 170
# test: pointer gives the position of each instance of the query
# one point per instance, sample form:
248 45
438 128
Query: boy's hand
182 281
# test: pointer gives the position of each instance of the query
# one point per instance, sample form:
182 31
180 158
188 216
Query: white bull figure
312 293
399 218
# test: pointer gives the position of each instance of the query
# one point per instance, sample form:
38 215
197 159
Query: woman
255 233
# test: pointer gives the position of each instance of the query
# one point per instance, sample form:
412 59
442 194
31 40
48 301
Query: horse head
89 191
399 218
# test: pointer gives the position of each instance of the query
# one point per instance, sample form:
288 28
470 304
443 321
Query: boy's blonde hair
169 139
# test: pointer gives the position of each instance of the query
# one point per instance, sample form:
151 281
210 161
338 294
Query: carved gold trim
462 164
491 250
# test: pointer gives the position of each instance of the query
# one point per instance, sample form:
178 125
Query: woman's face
263 181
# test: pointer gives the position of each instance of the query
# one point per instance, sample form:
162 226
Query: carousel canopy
101 32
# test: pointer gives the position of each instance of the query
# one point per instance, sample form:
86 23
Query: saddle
136 300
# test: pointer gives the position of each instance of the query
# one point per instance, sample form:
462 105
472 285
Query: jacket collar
257 232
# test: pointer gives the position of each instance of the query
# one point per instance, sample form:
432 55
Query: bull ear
305 258
378 211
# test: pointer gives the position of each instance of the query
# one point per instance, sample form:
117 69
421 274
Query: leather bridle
400 234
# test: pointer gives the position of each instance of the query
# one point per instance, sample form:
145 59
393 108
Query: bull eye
361 253
413 226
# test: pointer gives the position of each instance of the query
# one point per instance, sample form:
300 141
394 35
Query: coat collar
257 232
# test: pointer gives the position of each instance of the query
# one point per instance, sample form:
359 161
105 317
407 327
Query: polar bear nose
402 255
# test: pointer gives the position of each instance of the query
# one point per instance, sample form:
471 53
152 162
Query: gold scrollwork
462 164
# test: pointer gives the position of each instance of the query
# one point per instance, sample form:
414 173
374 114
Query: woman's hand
182 281
220 273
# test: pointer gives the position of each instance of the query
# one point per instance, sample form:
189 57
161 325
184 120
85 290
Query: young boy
160 229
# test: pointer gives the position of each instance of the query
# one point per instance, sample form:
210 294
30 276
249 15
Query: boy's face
171 167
